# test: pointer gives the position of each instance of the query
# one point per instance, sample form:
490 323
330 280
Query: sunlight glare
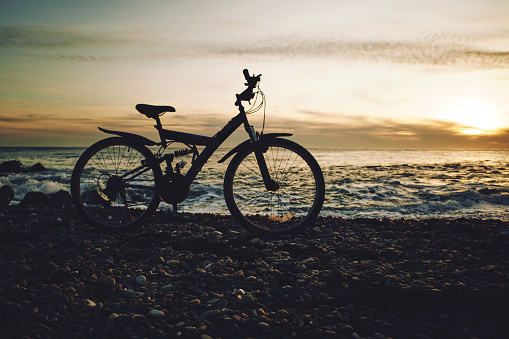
475 117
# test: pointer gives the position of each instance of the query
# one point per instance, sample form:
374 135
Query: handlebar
248 94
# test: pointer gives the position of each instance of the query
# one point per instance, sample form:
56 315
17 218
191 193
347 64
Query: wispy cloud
46 38
61 44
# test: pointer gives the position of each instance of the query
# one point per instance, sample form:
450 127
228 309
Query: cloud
434 52
360 131
31 118
62 44
50 38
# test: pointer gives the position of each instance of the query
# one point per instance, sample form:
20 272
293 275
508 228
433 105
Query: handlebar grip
246 74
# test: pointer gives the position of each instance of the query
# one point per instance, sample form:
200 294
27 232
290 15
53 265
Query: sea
371 183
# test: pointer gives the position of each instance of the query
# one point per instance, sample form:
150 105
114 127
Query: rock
195 302
216 234
247 300
187 267
52 271
166 288
22 269
141 280
239 275
61 199
489 191
156 314
51 267
113 316
263 325
38 199
38 167
211 314
15 166
12 166
388 283
89 304
323 309
6 195
251 278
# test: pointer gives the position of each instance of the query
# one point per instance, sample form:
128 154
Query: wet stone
156 314
141 280
211 314
90 304
22 269
51 267
328 285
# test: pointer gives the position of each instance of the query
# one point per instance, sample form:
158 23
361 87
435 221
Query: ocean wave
359 183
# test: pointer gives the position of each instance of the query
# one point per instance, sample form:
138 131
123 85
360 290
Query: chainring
174 190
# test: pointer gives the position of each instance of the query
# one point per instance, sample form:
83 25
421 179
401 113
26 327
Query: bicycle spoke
115 190
293 205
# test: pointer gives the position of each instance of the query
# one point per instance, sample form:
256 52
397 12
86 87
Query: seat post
159 128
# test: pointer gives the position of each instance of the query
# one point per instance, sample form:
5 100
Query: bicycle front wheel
113 184
289 209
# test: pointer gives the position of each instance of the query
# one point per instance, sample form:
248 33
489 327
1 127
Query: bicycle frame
211 145
214 143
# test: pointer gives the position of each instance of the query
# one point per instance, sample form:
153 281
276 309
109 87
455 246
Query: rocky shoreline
201 276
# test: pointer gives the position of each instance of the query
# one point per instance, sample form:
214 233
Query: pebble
141 280
22 269
113 316
156 314
217 234
211 314
263 325
51 267
90 304
195 302
251 278
167 288
64 278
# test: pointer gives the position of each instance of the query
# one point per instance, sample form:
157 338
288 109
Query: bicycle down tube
218 139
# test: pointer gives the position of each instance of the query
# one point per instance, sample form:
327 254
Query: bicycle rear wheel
289 209
114 183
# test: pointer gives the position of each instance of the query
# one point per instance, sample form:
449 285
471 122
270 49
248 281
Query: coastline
202 276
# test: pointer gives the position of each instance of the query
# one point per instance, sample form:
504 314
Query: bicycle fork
260 149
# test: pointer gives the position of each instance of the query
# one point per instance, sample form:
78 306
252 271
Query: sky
337 73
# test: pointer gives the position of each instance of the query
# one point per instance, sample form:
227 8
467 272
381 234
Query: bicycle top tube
184 137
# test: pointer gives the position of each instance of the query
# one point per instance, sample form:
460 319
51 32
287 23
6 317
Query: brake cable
263 103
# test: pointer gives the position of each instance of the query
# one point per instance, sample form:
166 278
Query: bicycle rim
290 208
112 186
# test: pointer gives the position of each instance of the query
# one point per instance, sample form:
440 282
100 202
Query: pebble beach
202 276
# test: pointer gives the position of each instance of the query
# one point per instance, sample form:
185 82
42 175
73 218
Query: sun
474 118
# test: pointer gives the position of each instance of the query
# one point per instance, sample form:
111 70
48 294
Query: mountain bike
272 186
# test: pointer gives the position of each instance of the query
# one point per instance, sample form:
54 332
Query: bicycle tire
289 209
102 193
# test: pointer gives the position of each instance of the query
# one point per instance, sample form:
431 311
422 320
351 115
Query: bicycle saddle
152 111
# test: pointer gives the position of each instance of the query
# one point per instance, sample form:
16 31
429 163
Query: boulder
37 168
6 195
12 166
38 199
61 199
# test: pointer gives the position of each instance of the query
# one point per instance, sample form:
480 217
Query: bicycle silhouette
272 186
